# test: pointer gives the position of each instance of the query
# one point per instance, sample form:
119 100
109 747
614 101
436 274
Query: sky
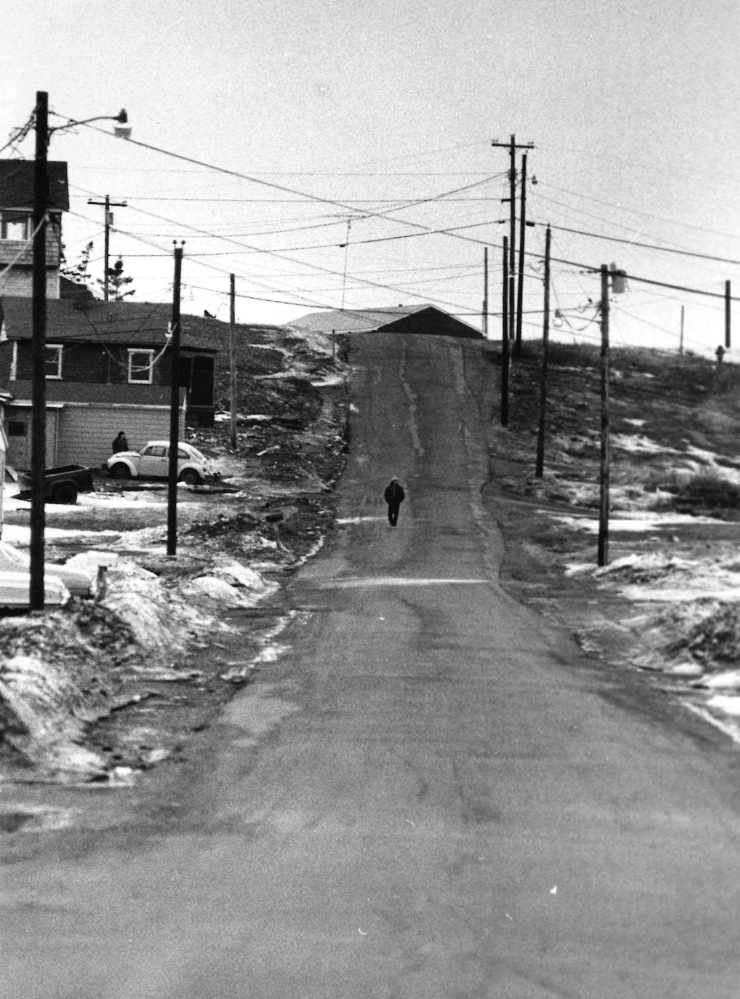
334 141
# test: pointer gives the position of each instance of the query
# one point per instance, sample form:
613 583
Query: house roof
352 320
372 320
139 324
16 184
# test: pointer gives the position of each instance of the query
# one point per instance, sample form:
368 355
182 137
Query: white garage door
86 431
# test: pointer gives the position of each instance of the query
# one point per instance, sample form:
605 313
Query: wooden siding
86 431
82 434
19 446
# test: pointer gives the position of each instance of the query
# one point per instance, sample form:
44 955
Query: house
16 225
108 367
421 319
108 364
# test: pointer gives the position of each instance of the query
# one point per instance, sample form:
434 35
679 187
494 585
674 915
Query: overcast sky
632 108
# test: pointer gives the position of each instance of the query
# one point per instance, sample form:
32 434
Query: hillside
667 603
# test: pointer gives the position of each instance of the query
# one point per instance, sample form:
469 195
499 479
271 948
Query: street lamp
38 342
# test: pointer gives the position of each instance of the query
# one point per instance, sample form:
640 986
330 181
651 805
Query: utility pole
485 292
505 340
107 204
232 359
680 342
512 146
540 465
174 409
522 229
728 300
603 546
38 354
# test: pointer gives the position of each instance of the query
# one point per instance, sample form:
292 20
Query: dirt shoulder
665 608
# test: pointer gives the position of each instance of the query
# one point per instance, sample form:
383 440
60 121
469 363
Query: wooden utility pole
512 232
174 409
107 205
505 340
540 465
38 354
232 359
603 547
728 300
520 286
485 292
512 146
680 342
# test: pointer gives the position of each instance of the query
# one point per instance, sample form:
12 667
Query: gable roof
140 324
352 320
429 319
16 184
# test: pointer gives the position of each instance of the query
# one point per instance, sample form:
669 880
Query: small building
108 368
108 364
427 320
16 226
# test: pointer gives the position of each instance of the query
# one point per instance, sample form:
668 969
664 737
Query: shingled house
108 364
16 225
424 319
108 367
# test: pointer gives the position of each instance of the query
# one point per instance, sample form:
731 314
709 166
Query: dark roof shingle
137 323
16 184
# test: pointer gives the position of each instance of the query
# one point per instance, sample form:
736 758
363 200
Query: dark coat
394 494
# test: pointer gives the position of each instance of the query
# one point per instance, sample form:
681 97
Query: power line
647 246
634 211
354 209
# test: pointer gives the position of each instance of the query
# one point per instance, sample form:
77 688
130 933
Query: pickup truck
61 485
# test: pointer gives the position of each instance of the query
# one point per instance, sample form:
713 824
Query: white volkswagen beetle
153 462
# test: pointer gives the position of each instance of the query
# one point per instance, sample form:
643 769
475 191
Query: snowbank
60 670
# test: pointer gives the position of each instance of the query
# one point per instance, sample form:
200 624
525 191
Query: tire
120 471
189 476
65 493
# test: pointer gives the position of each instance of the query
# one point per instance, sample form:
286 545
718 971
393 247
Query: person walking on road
394 497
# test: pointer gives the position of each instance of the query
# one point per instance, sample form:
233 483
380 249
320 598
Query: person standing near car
120 443
394 497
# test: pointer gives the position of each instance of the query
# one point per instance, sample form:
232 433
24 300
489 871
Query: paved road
430 795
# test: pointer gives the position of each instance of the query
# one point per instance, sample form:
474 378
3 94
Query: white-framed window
53 360
140 369
15 225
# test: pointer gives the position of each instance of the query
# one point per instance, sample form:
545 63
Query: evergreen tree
117 282
77 272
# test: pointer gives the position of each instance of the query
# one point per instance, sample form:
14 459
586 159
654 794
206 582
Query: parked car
153 462
15 579
61 485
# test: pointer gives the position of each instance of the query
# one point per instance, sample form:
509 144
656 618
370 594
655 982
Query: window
53 360
155 451
14 225
16 428
140 366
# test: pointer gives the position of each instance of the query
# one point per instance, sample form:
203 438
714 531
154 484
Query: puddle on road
258 712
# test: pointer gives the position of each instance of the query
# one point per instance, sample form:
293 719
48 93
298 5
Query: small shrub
709 488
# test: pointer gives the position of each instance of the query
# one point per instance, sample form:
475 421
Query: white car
153 462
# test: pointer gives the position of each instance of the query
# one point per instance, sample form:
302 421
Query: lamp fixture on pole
38 339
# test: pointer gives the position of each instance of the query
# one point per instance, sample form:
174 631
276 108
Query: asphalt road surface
430 794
